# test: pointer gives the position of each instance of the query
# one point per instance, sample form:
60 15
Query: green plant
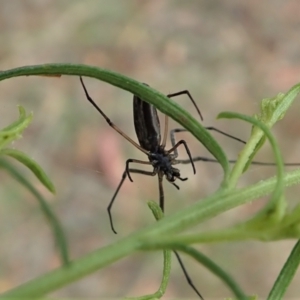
275 221
10 134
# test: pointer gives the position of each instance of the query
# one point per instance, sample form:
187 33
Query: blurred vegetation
228 54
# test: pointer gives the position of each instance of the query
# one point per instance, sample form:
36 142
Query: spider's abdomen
146 123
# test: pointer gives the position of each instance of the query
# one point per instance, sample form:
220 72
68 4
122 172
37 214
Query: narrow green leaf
272 110
15 125
46 209
32 165
284 101
14 130
286 275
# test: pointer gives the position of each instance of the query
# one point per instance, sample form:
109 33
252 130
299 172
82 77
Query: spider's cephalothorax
163 162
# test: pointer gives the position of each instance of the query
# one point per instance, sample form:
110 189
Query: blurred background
228 54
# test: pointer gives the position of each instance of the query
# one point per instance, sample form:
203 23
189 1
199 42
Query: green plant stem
226 235
186 218
158 214
75 270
